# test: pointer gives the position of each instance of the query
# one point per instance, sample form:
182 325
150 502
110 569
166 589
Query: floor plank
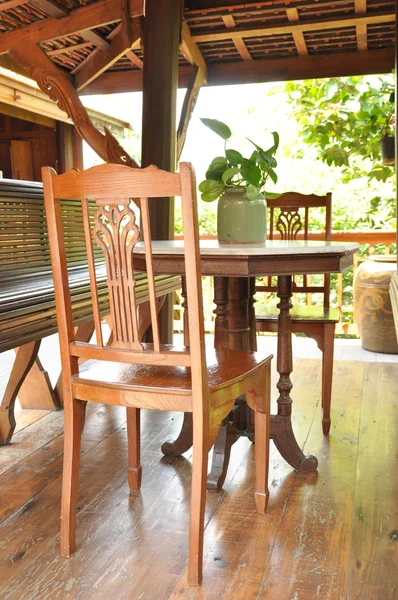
374 546
333 535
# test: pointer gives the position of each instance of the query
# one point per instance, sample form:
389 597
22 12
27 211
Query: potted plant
239 184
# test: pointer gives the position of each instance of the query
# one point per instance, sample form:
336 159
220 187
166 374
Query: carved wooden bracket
58 87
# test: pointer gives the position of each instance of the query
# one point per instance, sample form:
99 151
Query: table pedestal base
235 328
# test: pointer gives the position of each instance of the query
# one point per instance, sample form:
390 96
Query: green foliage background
329 141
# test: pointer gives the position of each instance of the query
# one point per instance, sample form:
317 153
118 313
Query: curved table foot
184 440
283 436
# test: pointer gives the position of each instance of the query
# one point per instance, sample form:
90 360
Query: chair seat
299 313
224 367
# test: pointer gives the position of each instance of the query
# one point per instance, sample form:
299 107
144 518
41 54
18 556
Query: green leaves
251 172
229 173
234 158
211 190
234 170
216 168
352 113
218 127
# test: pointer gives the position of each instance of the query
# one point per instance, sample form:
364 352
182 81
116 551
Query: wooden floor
330 535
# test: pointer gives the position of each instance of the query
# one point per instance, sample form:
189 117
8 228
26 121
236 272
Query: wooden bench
27 307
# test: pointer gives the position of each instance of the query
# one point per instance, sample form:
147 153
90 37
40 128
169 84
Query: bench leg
36 391
24 359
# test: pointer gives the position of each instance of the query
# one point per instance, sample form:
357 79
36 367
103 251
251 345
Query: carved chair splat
289 215
137 375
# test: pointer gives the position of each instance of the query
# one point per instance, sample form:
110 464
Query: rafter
362 30
301 27
240 45
298 36
134 59
126 38
10 4
100 62
95 38
102 12
50 8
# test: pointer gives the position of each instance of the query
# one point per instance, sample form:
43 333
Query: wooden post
161 38
394 280
69 148
396 108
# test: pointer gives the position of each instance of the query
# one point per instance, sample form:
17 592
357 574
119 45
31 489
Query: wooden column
394 280
69 148
396 107
161 38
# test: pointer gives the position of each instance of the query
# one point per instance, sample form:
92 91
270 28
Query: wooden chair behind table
288 216
137 375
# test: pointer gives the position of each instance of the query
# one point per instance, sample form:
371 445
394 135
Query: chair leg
74 421
198 502
327 375
134 471
262 437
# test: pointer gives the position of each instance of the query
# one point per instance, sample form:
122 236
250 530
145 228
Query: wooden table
234 268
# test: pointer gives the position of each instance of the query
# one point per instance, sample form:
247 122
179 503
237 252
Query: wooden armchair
133 374
288 217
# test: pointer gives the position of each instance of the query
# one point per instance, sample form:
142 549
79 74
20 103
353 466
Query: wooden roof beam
127 38
298 36
50 8
134 59
342 64
87 17
240 45
362 33
100 62
94 38
10 4
301 27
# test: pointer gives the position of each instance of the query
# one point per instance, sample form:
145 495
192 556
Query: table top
273 257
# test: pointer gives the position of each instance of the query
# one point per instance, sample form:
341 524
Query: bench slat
27 305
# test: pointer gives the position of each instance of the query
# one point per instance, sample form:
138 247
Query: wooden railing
372 242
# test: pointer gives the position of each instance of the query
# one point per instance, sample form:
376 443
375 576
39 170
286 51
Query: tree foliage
345 119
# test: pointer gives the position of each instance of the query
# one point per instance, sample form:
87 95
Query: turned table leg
232 330
281 423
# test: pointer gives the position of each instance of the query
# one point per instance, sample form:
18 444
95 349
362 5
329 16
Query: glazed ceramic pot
372 304
239 220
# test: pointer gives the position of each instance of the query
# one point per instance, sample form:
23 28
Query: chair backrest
289 218
116 229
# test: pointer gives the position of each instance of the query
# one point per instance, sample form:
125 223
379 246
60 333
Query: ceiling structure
100 50
74 47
